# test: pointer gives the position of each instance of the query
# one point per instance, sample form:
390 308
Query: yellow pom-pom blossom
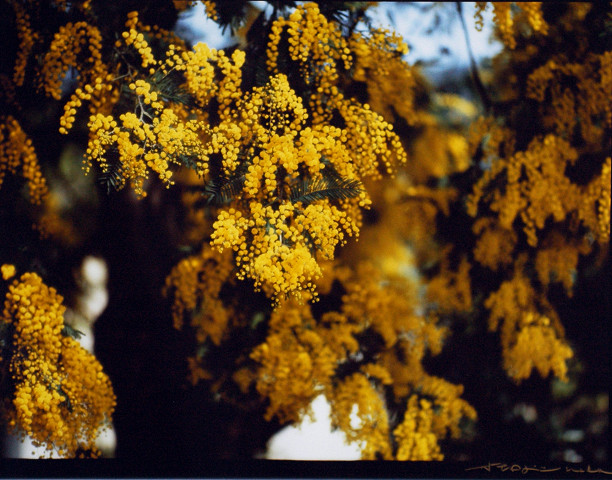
318 47
314 42
143 147
265 141
536 188
17 152
546 192
8 271
78 45
62 397
132 37
211 9
371 306
528 338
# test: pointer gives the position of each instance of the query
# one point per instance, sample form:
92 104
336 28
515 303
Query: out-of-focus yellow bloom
536 345
17 152
415 437
508 21
528 338
536 189
27 40
8 271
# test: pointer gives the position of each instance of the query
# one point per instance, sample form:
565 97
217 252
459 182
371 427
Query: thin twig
484 97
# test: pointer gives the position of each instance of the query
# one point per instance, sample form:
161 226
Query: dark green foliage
222 193
69 331
308 190
112 178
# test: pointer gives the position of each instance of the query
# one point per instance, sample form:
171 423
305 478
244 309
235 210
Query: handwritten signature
505 467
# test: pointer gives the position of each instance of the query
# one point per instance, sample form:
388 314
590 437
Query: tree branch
484 97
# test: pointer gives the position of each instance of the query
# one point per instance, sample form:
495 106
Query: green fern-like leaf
169 87
310 190
223 193
112 178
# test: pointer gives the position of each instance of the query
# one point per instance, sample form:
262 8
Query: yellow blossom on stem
62 398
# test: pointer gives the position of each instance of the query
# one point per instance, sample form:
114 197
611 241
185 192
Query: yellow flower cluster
437 152
8 271
587 105
99 94
314 42
143 147
199 67
318 47
450 290
509 22
545 192
536 345
79 46
387 309
132 37
450 407
528 338
600 187
17 151
495 140
211 9
594 206
494 245
294 362
27 39
62 397
277 255
276 228
390 80
275 235
536 189
533 12
416 440
375 304
358 408
195 283
557 259
73 44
